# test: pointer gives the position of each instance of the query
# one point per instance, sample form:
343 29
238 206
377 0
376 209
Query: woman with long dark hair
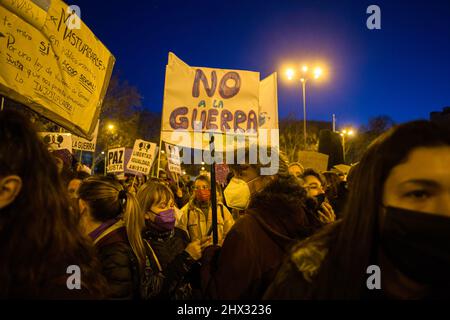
39 233
396 223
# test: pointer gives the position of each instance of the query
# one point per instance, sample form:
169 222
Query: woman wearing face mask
196 217
173 256
276 215
397 218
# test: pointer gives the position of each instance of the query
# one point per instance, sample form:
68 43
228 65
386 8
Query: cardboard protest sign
57 141
268 102
53 63
142 156
82 144
173 158
268 134
315 160
222 171
115 160
208 100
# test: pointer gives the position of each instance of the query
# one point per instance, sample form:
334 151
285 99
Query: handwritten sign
116 160
315 160
173 158
82 144
222 100
142 157
60 72
57 141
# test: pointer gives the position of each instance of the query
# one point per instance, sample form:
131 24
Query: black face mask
418 245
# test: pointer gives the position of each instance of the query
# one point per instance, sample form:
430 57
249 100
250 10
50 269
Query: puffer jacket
119 264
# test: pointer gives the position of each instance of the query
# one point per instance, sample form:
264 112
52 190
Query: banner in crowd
115 160
57 141
83 144
315 160
268 103
208 100
173 158
142 157
222 172
268 112
53 63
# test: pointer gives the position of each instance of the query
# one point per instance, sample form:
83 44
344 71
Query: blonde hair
153 192
107 199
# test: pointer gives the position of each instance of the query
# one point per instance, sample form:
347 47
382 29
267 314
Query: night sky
402 70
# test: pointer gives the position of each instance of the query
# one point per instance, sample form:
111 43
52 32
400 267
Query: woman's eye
418 194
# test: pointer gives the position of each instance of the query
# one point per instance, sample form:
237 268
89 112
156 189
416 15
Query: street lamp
304 77
346 133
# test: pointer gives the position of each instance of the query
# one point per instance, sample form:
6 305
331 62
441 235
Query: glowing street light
346 133
290 74
110 127
317 73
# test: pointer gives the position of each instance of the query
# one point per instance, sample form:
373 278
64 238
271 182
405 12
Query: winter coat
119 264
256 245
176 263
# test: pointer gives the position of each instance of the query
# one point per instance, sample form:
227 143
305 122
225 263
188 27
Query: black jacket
119 265
176 263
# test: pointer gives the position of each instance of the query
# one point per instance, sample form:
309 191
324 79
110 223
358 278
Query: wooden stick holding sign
213 193
3 103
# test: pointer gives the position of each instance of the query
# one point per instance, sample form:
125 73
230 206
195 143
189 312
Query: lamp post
305 77
346 133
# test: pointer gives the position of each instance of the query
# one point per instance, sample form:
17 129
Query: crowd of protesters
297 234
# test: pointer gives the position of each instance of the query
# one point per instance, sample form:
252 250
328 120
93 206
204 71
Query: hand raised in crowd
194 249
326 213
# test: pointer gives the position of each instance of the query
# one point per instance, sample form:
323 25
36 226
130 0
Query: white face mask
237 194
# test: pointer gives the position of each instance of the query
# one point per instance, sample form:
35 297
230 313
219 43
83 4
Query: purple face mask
165 220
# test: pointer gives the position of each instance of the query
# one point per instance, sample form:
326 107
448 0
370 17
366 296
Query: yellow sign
209 100
52 62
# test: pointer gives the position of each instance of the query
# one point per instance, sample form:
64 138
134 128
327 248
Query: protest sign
53 63
222 171
268 102
83 144
315 160
142 157
173 158
115 160
208 100
57 141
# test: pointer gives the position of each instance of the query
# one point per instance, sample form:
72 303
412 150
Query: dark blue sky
402 70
